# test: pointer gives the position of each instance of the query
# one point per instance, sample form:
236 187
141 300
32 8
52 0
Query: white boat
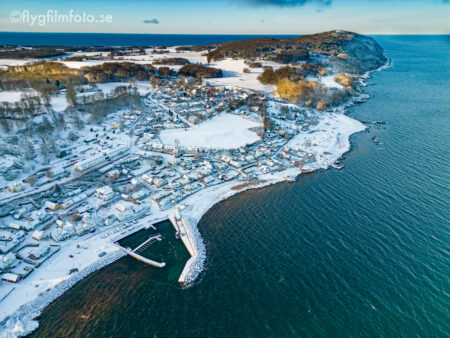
338 167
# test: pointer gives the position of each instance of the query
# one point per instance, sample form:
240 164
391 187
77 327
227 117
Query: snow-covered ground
233 75
59 102
12 96
4 63
142 87
225 131
329 82
327 140
55 271
79 64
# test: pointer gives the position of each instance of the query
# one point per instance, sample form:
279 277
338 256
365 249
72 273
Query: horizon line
223 34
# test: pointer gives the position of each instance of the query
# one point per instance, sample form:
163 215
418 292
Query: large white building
93 161
105 193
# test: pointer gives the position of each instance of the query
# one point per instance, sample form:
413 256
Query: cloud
287 3
154 21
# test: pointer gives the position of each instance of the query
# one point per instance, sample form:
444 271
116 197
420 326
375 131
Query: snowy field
329 82
5 63
233 75
79 64
142 87
59 102
327 140
12 96
226 131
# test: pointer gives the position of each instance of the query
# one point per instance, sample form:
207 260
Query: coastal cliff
349 52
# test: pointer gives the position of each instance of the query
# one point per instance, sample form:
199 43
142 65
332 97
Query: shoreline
23 320
197 263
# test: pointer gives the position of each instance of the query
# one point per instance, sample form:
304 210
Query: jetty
183 231
135 252
142 258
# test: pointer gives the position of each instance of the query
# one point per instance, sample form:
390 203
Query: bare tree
70 94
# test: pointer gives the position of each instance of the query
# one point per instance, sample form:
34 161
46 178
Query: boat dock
149 241
182 231
135 252
142 258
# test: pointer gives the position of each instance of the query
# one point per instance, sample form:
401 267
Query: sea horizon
114 39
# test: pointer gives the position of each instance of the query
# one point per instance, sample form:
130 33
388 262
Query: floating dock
133 253
147 242
141 258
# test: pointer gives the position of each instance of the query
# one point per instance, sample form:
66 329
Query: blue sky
235 16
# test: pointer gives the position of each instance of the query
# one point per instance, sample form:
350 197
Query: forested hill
349 52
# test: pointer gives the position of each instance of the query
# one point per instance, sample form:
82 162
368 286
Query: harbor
157 245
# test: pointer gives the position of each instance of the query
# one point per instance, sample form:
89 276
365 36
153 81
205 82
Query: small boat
338 167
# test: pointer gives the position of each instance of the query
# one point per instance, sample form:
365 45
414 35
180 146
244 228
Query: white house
105 193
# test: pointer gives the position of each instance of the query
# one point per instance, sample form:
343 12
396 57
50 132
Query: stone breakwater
196 263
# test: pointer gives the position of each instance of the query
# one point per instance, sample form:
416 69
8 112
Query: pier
142 258
135 252
147 242
182 229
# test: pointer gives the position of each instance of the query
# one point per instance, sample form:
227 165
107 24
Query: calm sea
107 39
360 252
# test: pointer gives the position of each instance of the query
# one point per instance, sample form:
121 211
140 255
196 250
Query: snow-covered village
100 161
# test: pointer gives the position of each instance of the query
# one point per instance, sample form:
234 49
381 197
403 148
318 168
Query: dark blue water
104 39
360 252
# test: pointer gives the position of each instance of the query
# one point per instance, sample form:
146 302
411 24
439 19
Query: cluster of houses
194 103
133 171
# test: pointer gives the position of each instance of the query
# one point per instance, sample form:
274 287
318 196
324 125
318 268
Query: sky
226 16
